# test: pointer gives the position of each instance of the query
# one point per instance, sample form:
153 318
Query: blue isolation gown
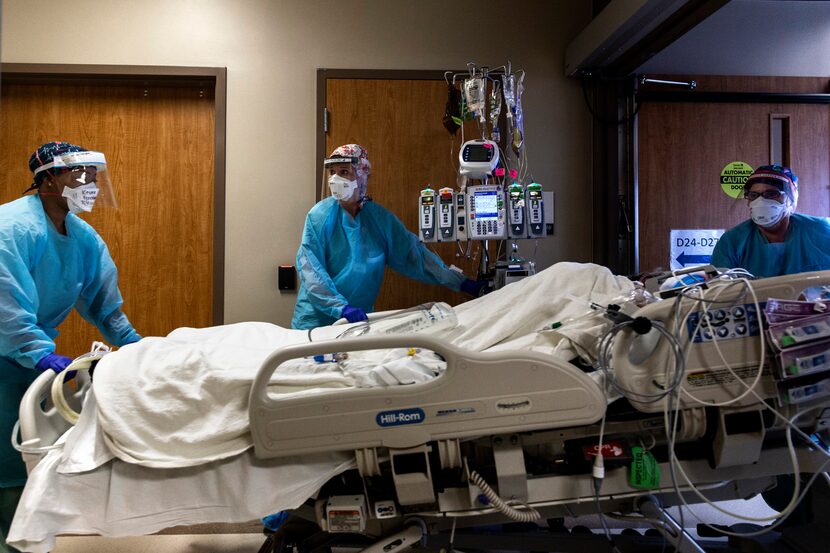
341 261
43 275
806 248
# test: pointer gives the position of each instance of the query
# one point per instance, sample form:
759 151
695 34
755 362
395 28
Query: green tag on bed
645 472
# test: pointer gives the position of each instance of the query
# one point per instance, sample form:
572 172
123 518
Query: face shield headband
779 181
87 168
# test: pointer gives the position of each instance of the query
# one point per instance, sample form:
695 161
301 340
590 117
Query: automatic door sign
690 248
733 177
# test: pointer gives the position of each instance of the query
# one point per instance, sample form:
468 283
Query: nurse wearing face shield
51 261
348 240
775 240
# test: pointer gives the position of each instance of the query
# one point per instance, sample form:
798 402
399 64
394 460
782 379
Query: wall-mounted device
478 158
548 197
486 212
446 215
286 278
535 211
516 211
426 215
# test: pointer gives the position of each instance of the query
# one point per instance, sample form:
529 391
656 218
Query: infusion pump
485 212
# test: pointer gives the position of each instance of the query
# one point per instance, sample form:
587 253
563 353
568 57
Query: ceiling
753 37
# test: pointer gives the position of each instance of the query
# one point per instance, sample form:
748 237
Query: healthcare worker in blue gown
50 262
347 242
775 240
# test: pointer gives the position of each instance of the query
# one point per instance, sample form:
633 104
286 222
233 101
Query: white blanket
87 494
183 400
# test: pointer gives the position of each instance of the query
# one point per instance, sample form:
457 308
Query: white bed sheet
116 498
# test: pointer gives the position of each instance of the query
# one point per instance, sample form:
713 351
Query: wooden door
399 123
159 146
683 146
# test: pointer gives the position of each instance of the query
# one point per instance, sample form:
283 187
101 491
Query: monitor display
478 153
485 204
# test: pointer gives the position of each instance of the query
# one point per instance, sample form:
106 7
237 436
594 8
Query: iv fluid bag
430 318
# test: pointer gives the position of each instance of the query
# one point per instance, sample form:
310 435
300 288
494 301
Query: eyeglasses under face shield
86 168
766 194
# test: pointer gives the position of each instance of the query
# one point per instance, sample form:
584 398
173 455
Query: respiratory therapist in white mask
348 240
775 240
51 261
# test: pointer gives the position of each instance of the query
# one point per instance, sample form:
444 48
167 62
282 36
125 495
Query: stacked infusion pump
486 211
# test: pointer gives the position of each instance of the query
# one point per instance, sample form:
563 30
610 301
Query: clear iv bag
508 86
475 94
429 318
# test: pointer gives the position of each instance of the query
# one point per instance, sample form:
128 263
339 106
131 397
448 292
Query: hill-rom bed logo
400 416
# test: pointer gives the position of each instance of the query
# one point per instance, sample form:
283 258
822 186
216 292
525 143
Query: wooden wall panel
159 145
399 123
682 148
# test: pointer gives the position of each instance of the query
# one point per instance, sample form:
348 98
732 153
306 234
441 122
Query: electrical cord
676 464
528 514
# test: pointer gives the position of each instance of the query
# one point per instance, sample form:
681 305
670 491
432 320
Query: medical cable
750 388
598 475
781 516
604 363
29 449
528 514
758 374
675 463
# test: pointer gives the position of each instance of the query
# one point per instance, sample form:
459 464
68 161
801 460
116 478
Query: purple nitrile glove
53 361
475 288
354 314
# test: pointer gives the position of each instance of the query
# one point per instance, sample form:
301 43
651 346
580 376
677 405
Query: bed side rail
40 423
479 394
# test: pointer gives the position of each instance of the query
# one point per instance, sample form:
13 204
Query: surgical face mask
81 198
342 189
767 213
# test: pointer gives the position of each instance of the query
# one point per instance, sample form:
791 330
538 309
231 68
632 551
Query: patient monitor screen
478 153
485 205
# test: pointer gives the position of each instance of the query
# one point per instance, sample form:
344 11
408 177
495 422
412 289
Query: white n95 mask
81 198
766 213
342 189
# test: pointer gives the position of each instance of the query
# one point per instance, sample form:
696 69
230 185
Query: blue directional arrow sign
690 247
688 259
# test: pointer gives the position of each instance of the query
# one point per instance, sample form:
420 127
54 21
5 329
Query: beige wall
272 50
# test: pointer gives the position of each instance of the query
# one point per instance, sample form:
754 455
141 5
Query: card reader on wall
286 277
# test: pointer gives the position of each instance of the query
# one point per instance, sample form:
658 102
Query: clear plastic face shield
85 178
340 177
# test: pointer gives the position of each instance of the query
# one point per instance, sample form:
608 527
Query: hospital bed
513 436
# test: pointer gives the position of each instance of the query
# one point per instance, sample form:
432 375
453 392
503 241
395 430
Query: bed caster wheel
556 525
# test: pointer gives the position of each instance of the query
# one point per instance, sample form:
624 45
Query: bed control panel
725 323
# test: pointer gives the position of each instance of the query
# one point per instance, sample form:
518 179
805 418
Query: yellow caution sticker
733 177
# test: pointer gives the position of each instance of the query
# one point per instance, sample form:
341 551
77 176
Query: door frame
150 75
709 97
